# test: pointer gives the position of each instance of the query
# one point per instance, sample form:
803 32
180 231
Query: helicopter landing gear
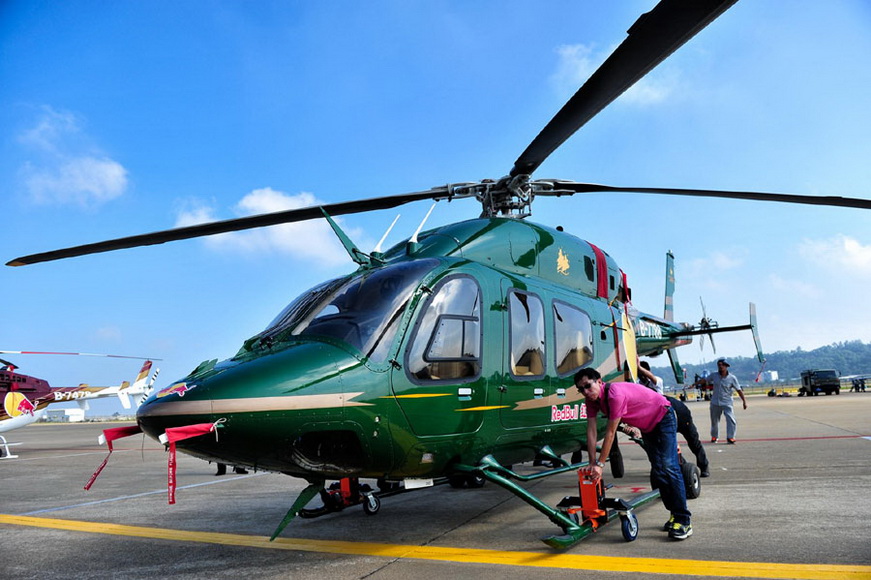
577 517
344 493
592 510
470 480
371 504
4 449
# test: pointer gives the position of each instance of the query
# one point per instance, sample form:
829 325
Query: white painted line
137 495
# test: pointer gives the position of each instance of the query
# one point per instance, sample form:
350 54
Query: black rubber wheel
474 481
457 481
371 504
470 480
692 479
629 526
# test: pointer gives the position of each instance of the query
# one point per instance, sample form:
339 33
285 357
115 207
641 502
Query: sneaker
713 439
680 531
668 525
730 441
705 473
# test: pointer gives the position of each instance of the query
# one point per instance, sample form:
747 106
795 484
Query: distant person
222 469
721 401
651 414
685 424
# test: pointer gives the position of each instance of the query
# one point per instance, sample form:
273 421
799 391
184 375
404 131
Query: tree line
848 358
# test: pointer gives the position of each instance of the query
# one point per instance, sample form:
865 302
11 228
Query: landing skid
595 510
577 516
4 449
348 492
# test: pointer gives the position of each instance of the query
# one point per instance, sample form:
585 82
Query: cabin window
573 334
589 269
362 311
447 341
527 334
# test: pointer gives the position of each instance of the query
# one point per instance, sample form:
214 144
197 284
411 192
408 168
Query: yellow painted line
491 408
470 555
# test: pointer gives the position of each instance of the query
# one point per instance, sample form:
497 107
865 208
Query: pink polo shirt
634 404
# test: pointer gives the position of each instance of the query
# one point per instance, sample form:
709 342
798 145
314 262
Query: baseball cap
723 360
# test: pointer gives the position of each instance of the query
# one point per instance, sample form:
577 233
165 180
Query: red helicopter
25 398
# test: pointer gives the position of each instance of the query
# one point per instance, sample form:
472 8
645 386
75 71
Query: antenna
384 237
413 239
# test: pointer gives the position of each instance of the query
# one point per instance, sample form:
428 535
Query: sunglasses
585 387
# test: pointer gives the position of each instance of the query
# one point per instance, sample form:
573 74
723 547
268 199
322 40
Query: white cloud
576 62
83 181
792 287
840 254
193 212
312 240
50 130
65 169
713 263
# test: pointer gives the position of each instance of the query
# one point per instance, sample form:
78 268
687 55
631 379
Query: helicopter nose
261 403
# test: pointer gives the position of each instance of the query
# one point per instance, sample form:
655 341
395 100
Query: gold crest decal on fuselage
562 263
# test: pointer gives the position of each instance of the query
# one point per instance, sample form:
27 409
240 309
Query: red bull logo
177 389
568 413
16 404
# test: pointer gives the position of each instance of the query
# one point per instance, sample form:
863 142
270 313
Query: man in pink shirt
650 413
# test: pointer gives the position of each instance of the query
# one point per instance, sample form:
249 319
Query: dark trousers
661 447
687 428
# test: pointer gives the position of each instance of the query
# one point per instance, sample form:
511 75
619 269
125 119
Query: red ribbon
174 434
170 436
111 435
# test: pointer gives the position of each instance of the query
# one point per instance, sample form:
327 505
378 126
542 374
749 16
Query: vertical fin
675 366
755 330
668 311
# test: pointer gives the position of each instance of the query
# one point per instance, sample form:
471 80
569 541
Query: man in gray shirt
721 401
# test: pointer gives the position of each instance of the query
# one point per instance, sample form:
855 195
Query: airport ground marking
466 555
137 495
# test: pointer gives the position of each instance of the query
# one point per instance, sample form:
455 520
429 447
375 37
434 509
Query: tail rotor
707 323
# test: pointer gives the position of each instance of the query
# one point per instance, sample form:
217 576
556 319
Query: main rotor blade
77 354
711 331
233 225
651 39
561 188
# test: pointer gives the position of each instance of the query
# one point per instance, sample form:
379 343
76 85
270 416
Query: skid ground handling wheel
629 525
592 510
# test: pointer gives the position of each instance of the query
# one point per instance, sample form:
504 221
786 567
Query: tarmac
790 500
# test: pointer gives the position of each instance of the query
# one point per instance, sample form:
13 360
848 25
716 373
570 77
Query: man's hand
593 471
633 432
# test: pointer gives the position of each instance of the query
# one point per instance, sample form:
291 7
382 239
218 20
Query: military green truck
816 381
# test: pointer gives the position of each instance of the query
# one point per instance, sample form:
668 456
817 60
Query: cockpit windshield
362 310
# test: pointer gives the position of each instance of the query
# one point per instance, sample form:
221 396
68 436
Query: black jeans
687 428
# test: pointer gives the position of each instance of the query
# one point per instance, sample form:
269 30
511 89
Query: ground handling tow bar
592 510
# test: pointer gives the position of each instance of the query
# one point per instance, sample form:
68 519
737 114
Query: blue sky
118 118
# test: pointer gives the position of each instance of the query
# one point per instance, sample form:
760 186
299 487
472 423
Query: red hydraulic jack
592 510
345 493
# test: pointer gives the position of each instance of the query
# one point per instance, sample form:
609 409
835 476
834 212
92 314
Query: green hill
848 358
